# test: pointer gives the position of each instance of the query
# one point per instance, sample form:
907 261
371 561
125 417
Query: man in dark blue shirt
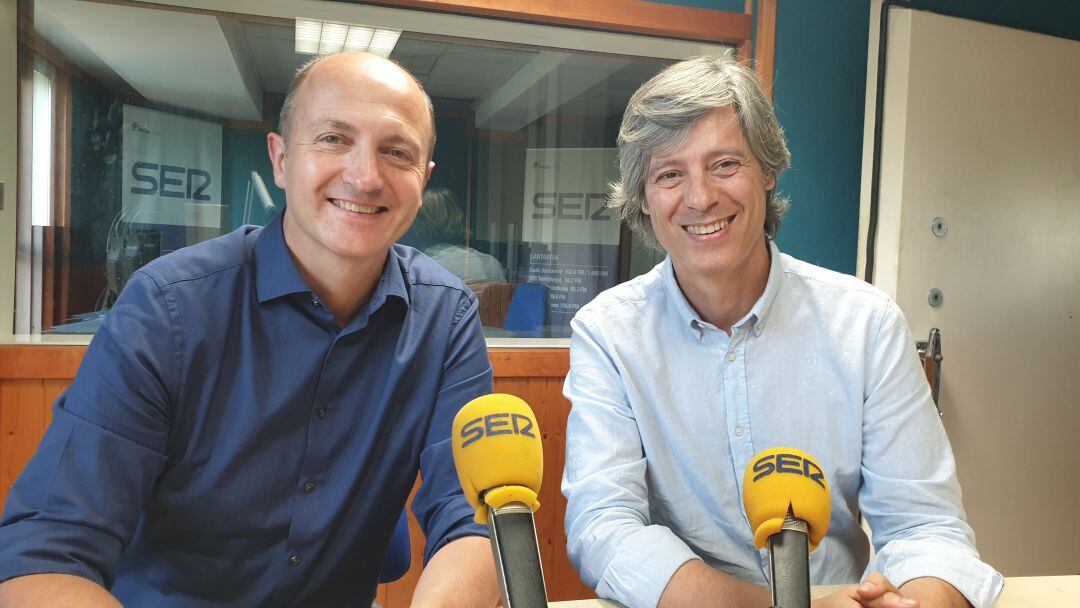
248 422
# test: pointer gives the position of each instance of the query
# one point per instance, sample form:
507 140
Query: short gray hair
664 110
289 105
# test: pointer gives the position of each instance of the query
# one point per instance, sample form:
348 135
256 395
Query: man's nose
362 170
701 192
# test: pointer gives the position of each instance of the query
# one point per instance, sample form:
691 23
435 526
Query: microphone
786 497
500 463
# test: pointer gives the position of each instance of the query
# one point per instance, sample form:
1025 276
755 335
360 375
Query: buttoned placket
736 395
314 463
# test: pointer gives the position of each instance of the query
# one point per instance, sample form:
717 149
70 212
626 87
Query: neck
343 285
342 289
723 298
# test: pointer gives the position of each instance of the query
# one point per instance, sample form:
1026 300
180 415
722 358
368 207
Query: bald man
247 424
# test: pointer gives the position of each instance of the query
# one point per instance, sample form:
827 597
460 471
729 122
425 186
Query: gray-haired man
728 347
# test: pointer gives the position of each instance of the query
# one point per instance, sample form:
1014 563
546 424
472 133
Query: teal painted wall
819 90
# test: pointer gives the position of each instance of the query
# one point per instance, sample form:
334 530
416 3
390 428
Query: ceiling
222 67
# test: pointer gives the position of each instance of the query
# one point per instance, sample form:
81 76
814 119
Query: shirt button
323 412
731 356
309 487
738 431
294 560
316 303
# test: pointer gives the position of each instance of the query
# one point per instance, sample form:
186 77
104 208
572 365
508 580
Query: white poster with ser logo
565 191
571 237
171 169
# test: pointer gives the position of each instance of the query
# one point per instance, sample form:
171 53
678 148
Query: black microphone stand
789 563
517 556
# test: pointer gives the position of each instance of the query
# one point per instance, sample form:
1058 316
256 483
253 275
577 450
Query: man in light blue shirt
677 378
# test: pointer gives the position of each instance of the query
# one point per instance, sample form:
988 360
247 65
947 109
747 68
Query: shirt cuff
643 564
439 505
33 546
903 560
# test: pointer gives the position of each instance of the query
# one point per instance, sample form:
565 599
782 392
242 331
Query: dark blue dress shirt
225 443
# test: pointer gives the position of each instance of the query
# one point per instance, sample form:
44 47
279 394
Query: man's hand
874 592
877 592
460 575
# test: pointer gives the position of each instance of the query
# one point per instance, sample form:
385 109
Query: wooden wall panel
24 415
39 361
766 44
628 16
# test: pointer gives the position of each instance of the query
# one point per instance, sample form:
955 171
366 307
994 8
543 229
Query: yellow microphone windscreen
779 479
498 453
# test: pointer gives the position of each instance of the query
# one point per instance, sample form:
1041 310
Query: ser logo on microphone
788 463
496 424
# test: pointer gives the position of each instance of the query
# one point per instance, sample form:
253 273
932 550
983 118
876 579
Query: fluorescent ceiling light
382 43
314 37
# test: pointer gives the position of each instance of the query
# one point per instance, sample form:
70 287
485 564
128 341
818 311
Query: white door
982 129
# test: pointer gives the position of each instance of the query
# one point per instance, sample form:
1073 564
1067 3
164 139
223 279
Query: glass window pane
166 116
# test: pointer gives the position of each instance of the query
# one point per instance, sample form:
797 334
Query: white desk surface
1020 592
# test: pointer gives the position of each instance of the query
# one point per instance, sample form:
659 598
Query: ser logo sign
496 424
788 463
158 179
569 206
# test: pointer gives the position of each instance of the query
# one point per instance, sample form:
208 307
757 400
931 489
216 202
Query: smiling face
706 203
355 162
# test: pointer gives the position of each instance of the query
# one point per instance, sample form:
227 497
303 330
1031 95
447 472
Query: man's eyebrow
332 124
339 125
733 151
672 157
392 139
399 138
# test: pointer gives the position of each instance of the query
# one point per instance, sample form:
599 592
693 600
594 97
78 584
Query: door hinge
930 354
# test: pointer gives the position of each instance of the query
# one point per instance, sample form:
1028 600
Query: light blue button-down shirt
668 410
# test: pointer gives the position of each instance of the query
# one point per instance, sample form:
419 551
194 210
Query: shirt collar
758 313
686 313
277 275
393 280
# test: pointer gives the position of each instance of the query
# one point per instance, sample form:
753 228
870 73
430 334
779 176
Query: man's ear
427 173
275 145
